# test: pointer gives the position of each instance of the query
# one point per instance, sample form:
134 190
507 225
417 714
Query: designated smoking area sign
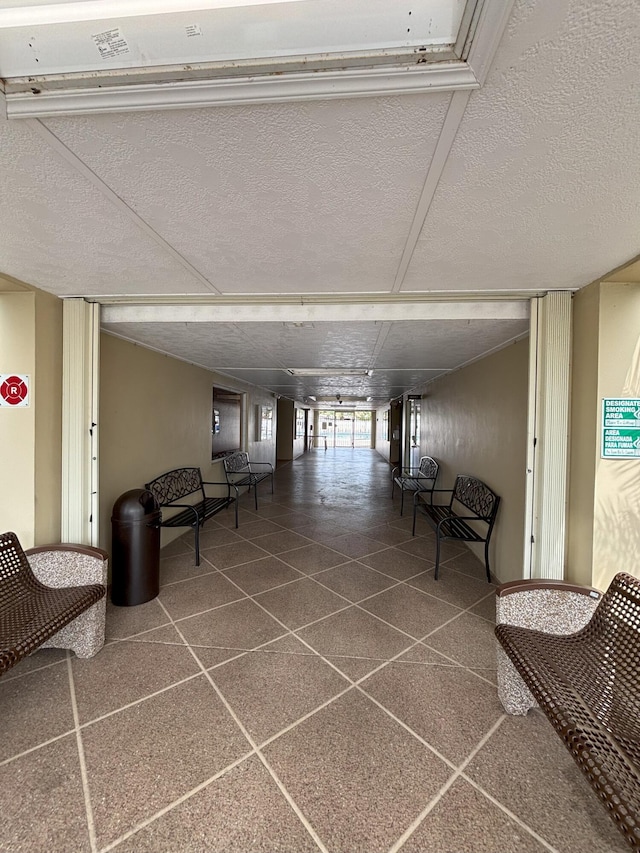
620 428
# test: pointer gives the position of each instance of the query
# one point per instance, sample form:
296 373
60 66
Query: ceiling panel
59 232
279 198
542 184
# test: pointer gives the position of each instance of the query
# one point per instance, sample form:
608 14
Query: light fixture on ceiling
96 10
328 371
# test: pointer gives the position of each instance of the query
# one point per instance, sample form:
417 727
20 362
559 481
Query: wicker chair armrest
68 564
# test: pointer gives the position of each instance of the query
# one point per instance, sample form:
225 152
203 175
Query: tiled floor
309 687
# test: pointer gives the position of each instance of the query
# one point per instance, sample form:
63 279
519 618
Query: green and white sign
620 428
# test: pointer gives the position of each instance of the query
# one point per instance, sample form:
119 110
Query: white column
80 377
552 352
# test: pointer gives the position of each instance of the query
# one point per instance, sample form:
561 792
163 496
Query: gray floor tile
527 768
260 527
410 610
354 634
465 820
242 811
240 625
183 566
449 707
198 594
300 602
34 709
262 575
356 545
270 691
283 540
354 581
226 556
469 639
396 563
456 588
131 783
124 672
387 534
43 809
358 777
313 558
126 621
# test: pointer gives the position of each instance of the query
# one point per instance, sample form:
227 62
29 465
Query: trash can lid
134 504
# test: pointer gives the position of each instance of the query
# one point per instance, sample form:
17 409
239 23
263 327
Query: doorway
345 428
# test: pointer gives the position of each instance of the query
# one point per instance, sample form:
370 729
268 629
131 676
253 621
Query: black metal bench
420 479
241 472
474 497
172 488
588 685
32 612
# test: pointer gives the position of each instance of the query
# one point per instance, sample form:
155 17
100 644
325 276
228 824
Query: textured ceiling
532 183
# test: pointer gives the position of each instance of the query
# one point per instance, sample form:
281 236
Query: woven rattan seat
588 685
30 612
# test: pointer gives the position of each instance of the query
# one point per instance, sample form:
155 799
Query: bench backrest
175 485
15 571
428 468
476 496
236 463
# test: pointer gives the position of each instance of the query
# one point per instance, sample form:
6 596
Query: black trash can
135 555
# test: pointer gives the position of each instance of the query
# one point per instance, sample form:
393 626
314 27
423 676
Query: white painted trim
190 94
552 435
80 341
350 312
529 545
486 38
450 126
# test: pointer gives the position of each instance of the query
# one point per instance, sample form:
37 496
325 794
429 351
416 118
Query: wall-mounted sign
14 389
620 428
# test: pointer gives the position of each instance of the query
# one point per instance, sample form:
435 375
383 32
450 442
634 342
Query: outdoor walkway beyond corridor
308 687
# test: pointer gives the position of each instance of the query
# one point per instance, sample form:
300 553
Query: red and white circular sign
14 389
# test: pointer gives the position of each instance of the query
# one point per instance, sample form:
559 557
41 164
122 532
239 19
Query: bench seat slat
587 685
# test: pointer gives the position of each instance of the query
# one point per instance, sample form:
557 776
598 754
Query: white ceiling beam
338 311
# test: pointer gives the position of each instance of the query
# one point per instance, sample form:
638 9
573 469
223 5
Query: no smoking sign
14 390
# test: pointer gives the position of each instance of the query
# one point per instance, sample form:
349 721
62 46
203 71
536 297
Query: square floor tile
218 535
451 708
387 534
260 527
468 639
355 637
198 594
125 622
410 610
313 558
425 547
486 608
323 532
177 548
284 540
271 691
467 562
43 803
301 602
235 554
465 820
262 575
34 709
356 545
295 520
272 510
354 581
38 659
358 776
526 767
241 812
183 566
458 589
161 754
396 563
124 672
241 625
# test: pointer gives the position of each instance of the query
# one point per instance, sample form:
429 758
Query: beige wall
474 421
616 539
48 414
155 415
18 425
583 434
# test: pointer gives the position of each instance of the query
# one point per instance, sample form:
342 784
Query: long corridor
308 687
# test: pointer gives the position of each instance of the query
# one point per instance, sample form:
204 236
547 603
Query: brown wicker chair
30 612
588 685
